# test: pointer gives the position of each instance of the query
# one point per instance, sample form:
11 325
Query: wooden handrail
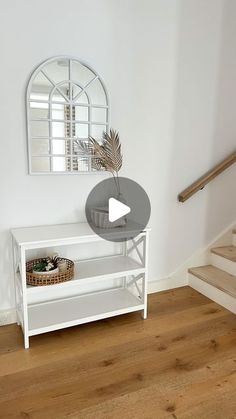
208 177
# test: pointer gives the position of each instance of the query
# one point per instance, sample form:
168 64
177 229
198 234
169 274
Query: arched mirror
66 102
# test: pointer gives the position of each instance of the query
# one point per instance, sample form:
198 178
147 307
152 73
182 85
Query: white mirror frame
70 102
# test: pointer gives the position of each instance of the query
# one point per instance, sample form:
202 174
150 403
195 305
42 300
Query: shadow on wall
204 127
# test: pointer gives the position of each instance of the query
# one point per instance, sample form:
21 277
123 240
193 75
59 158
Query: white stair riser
223 264
234 239
213 293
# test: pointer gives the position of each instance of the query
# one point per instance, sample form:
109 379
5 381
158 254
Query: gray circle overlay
128 192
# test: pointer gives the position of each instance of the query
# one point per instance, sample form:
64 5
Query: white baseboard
166 284
7 317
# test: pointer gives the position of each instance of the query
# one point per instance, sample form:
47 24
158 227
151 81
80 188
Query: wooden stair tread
228 252
216 277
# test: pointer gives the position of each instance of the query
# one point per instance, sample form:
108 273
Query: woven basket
36 279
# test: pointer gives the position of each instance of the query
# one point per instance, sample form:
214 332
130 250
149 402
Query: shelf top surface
51 233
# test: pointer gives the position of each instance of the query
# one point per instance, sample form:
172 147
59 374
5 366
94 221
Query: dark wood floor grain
179 363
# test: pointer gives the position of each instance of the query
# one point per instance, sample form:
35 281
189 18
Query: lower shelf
58 314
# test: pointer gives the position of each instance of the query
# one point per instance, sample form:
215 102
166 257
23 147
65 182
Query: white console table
129 266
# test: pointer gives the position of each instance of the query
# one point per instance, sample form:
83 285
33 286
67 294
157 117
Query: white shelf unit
130 267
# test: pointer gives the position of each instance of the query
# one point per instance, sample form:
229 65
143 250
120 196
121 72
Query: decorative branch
106 155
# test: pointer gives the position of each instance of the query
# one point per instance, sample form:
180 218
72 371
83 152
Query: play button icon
117 210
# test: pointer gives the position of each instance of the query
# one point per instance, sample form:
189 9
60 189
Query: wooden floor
179 363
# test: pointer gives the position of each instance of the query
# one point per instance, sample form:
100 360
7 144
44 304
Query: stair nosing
202 278
215 252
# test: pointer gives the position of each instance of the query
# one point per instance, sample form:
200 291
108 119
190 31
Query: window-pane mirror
66 101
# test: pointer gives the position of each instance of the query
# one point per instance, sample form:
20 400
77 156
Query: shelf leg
24 295
26 341
145 278
124 254
144 314
14 271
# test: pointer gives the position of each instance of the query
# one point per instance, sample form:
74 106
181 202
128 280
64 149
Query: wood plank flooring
179 363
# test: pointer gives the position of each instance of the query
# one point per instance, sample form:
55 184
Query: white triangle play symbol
117 209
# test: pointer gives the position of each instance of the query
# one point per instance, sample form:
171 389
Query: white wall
169 66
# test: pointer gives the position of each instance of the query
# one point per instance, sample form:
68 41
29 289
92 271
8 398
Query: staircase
217 280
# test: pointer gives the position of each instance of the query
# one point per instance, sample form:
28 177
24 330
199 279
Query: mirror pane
58 111
60 147
57 70
96 93
99 115
81 73
97 131
40 147
40 128
61 164
76 90
60 129
81 113
81 98
82 164
38 110
40 88
40 164
61 94
81 130
75 148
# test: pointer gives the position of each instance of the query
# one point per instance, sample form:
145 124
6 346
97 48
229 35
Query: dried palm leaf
109 151
97 164
112 149
106 155
86 149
